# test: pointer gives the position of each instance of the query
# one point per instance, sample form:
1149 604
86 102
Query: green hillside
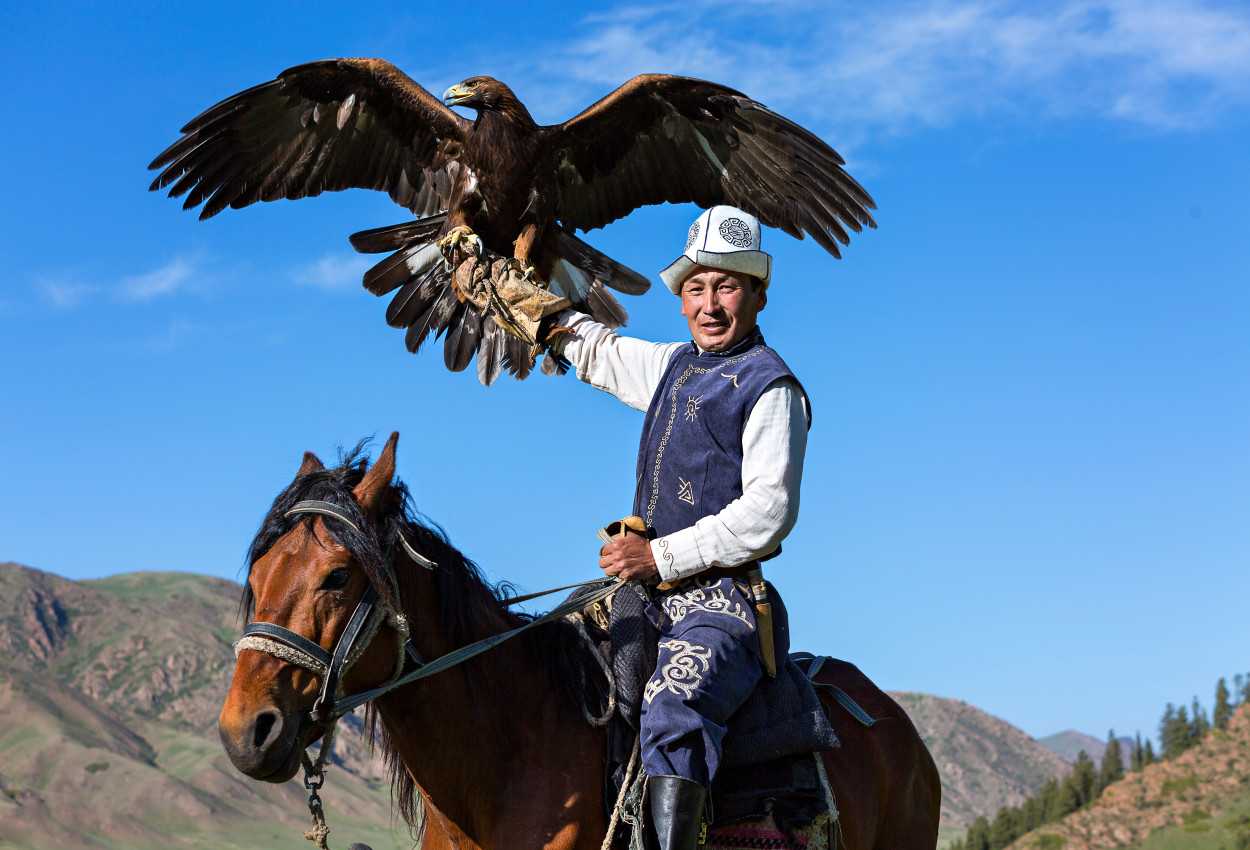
1225 827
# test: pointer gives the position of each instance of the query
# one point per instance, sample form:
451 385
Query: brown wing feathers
323 126
362 123
677 139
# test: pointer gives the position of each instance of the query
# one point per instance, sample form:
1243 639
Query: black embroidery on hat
736 232
692 234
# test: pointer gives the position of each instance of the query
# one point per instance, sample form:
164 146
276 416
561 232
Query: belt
739 573
750 580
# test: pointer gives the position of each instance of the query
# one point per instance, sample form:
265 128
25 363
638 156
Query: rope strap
626 782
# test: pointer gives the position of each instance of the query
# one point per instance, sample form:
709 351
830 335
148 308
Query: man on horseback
719 466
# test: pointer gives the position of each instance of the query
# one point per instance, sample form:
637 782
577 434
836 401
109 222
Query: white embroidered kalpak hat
721 238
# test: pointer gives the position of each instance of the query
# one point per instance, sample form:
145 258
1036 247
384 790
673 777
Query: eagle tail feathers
599 265
407 264
490 353
395 236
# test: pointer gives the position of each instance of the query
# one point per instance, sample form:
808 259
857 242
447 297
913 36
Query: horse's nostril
266 722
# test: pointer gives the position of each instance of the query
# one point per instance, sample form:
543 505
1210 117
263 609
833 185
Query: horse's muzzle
265 746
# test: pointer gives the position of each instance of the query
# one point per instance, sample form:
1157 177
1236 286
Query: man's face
720 307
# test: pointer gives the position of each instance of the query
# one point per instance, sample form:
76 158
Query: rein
363 625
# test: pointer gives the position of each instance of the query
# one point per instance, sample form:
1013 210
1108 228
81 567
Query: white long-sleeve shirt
774 441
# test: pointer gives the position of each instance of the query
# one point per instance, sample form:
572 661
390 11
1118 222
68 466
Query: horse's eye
336 579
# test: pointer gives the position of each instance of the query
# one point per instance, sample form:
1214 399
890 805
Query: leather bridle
365 622
367 618
363 625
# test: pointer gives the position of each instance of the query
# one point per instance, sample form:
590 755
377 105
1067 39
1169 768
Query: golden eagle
522 188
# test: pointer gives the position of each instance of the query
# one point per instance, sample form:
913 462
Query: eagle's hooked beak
457 94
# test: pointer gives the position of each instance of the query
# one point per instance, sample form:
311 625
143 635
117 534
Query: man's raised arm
628 368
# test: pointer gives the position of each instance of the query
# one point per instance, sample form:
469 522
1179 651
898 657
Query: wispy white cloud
68 290
334 272
65 293
866 68
163 281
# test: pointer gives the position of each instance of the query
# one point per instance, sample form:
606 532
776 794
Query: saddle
767 767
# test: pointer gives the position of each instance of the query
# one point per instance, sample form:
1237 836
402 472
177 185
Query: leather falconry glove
502 291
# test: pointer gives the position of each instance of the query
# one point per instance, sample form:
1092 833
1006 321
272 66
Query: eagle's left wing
663 138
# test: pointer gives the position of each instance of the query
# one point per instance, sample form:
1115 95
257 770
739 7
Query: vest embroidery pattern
674 396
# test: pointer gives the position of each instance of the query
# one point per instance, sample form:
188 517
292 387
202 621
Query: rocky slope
985 762
110 692
1166 803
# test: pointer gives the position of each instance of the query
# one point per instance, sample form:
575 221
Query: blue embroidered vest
690 455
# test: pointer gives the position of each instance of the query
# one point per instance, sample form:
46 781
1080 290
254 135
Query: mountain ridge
117 682
1070 742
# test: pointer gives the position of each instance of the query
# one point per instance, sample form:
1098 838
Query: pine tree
1085 778
978 837
1031 814
1112 767
1174 731
1004 829
1167 732
1138 759
1048 801
1222 710
1181 732
1239 689
1199 725
1068 800
1148 756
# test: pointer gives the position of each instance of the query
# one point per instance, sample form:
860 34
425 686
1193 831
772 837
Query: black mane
466 599
469 605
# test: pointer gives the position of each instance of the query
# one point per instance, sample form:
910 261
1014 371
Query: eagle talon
529 274
460 239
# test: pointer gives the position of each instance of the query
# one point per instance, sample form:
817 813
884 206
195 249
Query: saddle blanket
765 835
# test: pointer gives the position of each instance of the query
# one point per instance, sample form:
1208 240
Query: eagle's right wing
323 126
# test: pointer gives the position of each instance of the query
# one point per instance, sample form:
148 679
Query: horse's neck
494 744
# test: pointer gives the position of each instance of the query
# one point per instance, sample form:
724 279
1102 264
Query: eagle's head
481 93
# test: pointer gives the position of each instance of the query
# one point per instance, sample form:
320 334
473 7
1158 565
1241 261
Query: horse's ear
379 476
311 463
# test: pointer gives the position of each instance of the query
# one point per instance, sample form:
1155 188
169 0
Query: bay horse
496 752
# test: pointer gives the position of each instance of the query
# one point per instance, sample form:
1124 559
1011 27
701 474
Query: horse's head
308 573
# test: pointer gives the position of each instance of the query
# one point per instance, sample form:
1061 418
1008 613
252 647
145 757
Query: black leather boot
676 811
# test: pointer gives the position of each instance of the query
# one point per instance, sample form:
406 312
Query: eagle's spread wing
663 138
323 126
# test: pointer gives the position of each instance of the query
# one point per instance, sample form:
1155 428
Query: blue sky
1028 478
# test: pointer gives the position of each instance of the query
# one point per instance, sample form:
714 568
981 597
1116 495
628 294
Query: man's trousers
709 663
